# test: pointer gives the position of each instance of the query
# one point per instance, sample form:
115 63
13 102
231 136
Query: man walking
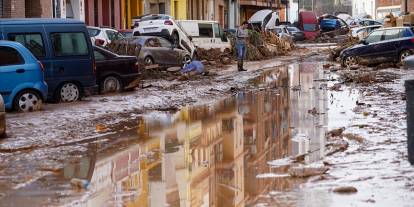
241 45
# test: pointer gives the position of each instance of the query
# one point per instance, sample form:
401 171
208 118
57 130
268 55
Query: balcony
260 3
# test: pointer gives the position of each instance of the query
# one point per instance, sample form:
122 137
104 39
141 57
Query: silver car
2 118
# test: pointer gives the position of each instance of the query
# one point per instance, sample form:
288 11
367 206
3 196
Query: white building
362 8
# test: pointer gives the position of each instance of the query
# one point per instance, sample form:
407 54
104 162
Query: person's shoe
242 69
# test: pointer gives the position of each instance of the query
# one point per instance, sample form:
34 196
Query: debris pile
366 76
334 53
124 47
263 45
214 56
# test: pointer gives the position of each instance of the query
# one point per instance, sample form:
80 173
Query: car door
370 50
220 40
170 53
206 35
390 44
12 71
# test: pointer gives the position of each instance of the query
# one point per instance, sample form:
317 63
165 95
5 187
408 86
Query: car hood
259 16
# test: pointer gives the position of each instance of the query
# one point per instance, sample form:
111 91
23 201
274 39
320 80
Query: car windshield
93 32
278 30
155 17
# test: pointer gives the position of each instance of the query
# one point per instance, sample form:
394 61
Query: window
112 35
33 42
309 27
10 56
93 32
98 55
374 37
153 42
165 43
216 30
69 44
392 34
205 30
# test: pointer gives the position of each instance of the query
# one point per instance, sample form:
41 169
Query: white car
164 26
2 118
102 36
264 19
362 32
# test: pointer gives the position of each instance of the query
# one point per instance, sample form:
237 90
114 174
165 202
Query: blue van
21 78
63 47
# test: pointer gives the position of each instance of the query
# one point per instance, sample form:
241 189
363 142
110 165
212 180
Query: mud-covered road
292 131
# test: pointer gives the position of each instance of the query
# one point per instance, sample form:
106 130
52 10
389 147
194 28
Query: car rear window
10 56
69 44
93 32
391 34
155 17
32 41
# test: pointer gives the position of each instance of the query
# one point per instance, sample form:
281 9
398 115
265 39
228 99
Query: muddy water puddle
233 152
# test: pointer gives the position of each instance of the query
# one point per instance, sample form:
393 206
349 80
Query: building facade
25 8
361 8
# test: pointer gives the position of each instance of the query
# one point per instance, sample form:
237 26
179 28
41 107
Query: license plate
150 29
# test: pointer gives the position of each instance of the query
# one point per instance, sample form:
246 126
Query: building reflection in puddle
210 155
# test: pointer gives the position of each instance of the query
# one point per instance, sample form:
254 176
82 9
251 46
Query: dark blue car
382 45
63 47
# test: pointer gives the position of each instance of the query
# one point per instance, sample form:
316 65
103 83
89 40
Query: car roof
10 43
39 21
389 28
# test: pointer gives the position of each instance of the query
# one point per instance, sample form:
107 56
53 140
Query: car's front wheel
27 101
110 84
68 92
148 60
404 54
186 60
349 61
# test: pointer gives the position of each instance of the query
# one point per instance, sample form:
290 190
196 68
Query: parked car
308 23
22 82
282 32
362 32
152 50
206 34
382 45
2 118
296 33
165 26
114 72
327 25
101 36
63 47
264 19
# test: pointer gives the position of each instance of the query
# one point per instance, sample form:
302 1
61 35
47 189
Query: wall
363 7
181 9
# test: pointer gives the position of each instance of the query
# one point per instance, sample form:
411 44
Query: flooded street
238 151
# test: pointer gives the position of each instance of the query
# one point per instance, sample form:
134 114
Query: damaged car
382 45
2 118
114 72
151 50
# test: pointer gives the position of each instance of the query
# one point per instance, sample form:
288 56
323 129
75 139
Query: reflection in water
211 155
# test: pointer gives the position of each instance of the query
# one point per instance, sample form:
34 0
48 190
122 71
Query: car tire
186 60
110 84
148 60
349 61
175 39
27 101
68 92
403 55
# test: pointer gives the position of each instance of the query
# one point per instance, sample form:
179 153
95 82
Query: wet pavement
236 151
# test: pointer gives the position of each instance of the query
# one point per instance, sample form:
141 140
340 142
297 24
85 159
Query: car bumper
90 90
2 123
127 79
163 33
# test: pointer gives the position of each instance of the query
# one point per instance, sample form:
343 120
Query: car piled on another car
162 25
102 36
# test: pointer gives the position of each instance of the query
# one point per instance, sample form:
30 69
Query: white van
206 34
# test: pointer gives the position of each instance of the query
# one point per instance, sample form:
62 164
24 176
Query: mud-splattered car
151 50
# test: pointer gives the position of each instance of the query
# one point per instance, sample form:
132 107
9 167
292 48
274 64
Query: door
206 35
391 44
12 71
72 55
169 53
370 51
